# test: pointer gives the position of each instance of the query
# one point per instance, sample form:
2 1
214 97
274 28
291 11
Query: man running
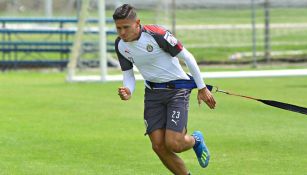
156 53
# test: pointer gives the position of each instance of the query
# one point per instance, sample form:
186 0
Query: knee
159 148
174 145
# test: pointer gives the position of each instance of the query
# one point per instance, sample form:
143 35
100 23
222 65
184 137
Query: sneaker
201 149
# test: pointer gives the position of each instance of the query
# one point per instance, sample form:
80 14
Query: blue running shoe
201 149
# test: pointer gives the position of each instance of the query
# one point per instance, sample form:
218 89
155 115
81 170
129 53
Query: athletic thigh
177 110
157 137
173 136
154 111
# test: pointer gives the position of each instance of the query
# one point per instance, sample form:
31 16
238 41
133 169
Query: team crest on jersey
170 38
149 48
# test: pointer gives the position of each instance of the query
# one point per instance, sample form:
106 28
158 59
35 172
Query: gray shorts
166 108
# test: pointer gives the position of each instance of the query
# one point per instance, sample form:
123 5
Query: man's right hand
124 93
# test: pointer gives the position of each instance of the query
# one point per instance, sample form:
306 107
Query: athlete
156 53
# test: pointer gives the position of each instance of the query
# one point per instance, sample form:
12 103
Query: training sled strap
176 84
190 84
277 104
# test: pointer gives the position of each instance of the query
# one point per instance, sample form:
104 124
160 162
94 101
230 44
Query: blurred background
51 127
232 32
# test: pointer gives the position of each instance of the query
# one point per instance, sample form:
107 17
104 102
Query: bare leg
178 142
174 163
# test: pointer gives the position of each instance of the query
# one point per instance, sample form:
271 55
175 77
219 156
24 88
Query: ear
138 22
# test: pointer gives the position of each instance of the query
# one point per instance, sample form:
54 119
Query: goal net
215 32
93 56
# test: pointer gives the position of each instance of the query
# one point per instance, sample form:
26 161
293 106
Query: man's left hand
205 95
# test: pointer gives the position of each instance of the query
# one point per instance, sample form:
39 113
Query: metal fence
214 31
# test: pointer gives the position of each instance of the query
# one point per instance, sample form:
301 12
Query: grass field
48 126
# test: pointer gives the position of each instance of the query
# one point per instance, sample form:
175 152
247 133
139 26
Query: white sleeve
193 67
129 79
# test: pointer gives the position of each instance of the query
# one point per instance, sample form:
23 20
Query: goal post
76 51
91 57
102 40
217 37
72 64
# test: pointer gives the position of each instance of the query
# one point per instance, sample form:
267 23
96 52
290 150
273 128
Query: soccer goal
77 49
87 66
212 31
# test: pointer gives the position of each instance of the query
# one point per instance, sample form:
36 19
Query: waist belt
176 84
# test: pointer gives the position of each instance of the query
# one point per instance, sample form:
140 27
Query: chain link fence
214 31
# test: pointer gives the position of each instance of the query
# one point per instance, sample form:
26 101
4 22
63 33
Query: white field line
259 73
206 75
233 45
273 53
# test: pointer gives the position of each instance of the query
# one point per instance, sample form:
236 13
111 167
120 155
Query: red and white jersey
154 54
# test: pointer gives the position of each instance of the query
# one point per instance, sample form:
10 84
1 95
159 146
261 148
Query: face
128 29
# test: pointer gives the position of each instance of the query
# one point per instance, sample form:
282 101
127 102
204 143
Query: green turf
48 126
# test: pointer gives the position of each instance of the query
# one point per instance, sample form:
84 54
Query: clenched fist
124 93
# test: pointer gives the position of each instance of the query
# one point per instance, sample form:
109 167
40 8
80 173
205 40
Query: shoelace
197 138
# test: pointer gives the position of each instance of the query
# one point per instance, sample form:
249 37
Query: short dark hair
125 11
